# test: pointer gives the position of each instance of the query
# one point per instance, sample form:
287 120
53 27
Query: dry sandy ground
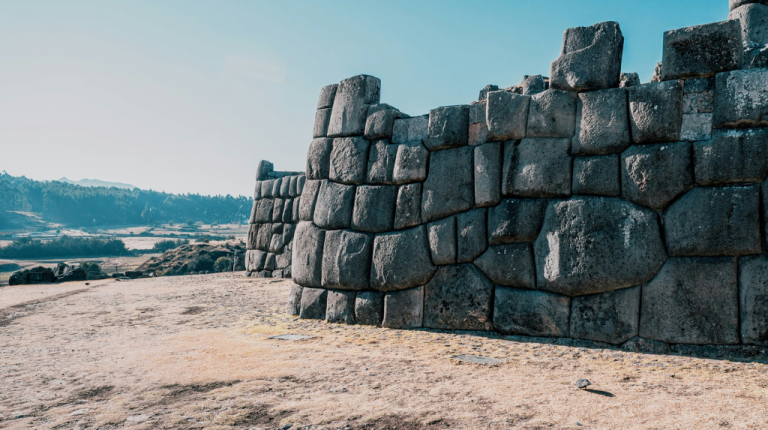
194 352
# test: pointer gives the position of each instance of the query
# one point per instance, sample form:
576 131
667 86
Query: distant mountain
97 183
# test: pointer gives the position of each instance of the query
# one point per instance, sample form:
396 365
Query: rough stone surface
369 307
506 116
404 309
401 260
253 234
409 130
322 119
458 298
350 106
264 237
287 211
349 159
442 241
738 3
346 260
271 262
590 58
732 156
702 50
307 255
266 189
340 307
602 123
703 102
598 176
276 186
654 175
478 134
696 126
591 245
714 222
629 80
656 112
741 99
487 89
531 313
448 127
335 202
656 77
319 158
410 163
488 159
374 209
538 168
255 260
692 300
308 199
381 162
471 235
477 112
408 206
327 94
515 220
753 298
754 23
313 303
380 122
264 210
277 210
276 243
509 265
449 189
612 317
294 300
533 85
552 114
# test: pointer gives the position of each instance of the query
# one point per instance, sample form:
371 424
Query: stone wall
582 205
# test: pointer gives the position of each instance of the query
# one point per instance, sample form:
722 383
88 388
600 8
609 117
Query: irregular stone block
538 168
263 170
308 255
612 317
381 162
714 222
350 106
754 23
458 298
271 262
374 209
692 300
448 127
292 187
597 176
488 174
340 307
308 199
702 50
264 210
533 85
266 189
255 260
741 99
509 265
409 130
591 245
753 295
277 228
531 313
506 116
408 206
654 175
322 118
369 307
319 158
478 134
276 243
254 211
295 213
253 233
349 159
477 112
294 300
471 234
487 89
738 3
602 123
313 303
300 183
627 80
590 59
698 103
257 191
442 241
552 114
346 260
287 211
283 258
276 187
449 189
264 237
732 156
696 126
277 210
404 309
410 163
401 260
656 112
335 202
288 232
515 221
327 95
381 121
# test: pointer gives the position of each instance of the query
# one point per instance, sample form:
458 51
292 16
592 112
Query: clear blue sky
188 96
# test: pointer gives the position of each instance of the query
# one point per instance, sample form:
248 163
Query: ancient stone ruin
584 205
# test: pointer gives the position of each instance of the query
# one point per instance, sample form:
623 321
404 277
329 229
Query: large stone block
319 158
254 260
515 220
533 85
277 210
753 297
253 234
374 209
287 211
266 189
458 298
739 3
308 199
340 307
349 159
478 134
552 114
381 121
369 307
270 263
327 95
288 231
590 59
381 162
531 313
409 130
276 187
629 79
322 119
410 163
654 175
346 260
591 245
254 211
506 116
702 51
448 127
264 210
487 89
313 303
611 317
293 186
692 300
488 159
408 206
404 309
598 176
732 156
442 241
741 99
283 258
471 234
308 255
264 237
335 202
509 265
350 106
276 243
714 222
449 189
294 300
696 126
656 112
538 168
602 123
401 260
754 23
477 112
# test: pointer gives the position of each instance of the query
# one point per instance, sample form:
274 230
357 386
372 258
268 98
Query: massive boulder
319 158
458 298
349 160
611 317
334 206
509 265
552 114
448 127
449 189
515 220
410 163
590 58
702 51
374 209
471 234
655 175
346 260
531 313
538 168
741 99
442 241
404 309
602 123
731 157
350 105
506 116
401 260
656 112
753 291
408 206
381 162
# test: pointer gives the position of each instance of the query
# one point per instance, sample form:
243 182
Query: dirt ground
195 352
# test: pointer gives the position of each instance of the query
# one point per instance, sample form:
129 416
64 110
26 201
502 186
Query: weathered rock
270 263
597 176
533 85
488 159
656 77
442 241
738 3
308 255
257 191
308 199
506 116
509 265
288 232
300 181
277 210
381 121
283 258
401 260
696 126
409 130
327 95
313 303
319 158
448 127
276 187
449 189
754 23
487 89
699 102
294 300
471 234
538 168
602 124
349 159
552 114
381 162
266 189
410 163
627 80
277 228
590 59
264 210
264 237
335 202
287 211
369 307
611 317
478 134
374 209
253 234
346 260
692 300
531 313
656 112
741 99
293 186
276 243
700 85
322 119
263 170
350 106
702 50
458 298
477 112
714 222
404 309
732 156
408 206
753 297
654 175
515 221
592 245
255 260
340 307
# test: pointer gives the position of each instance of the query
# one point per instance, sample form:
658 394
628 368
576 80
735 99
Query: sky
187 96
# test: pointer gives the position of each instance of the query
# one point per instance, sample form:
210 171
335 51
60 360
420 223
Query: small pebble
583 383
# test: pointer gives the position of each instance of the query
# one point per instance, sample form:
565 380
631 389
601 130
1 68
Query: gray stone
597 176
319 158
602 123
741 99
591 245
327 94
381 121
627 80
257 191
283 258
509 265
300 180
408 206
531 313
506 116
266 189
702 50
449 189
369 307
335 202
612 317
253 234
349 159
515 221
271 262
714 222
288 231
254 211
696 126
276 187
276 243
277 210
442 241
294 300
471 232
374 209
656 77
488 174
753 296
656 112
533 85
487 89
409 130
381 162
401 260
590 59
308 199
263 170
404 309
538 168
458 298
254 260
700 85
293 186
340 307
322 118
478 134
313 303
448 127
654 175
350 106
264 274
754 23
308 255
285 187
692 300
264 237
698 103
732 156
477 112
277 228
410 163
552 114
738 3
346 260
264 210
288 210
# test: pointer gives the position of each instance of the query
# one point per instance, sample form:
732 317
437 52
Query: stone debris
582 384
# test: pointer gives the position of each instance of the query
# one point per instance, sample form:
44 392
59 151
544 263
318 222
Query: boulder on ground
531 313
611 317
753 292
401 260
308 255
590 58
509 265
350 105
656 112
536 168
458 298
602 123
404 309
552 114
655 175
313 303
449 189
340 307
702 50
369 307
448 127
346 260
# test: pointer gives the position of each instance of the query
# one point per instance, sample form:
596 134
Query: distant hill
97 183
